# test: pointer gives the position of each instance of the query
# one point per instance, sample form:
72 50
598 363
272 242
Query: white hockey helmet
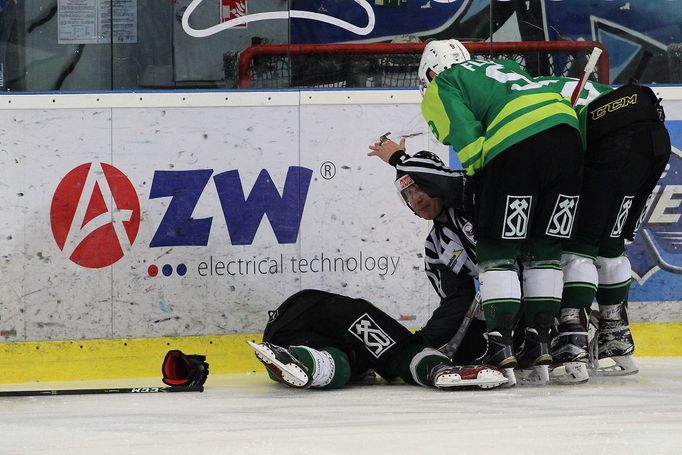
439 56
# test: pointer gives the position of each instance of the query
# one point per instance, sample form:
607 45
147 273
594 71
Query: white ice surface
248 414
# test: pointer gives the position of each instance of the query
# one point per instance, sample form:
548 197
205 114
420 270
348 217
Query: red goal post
395 64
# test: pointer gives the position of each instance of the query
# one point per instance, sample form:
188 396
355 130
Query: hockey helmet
428 171
439 56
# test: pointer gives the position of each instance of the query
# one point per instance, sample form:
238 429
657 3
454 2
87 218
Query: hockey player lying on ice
321 340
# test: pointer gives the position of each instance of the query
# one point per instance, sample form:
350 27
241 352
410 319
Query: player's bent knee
542 282
613 270
579 269
499 284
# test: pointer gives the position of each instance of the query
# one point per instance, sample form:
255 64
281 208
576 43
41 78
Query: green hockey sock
613 294
500 314
413 363
578 296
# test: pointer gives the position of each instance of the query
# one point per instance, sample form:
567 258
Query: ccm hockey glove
180 369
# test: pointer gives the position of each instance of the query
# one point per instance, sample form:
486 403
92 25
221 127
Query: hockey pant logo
563 216
645 210
516 215
622 217
374 338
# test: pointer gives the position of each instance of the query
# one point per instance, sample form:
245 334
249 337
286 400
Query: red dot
153 270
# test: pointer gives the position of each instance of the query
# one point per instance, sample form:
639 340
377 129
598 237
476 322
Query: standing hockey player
519 143
627 148
323 340
434 192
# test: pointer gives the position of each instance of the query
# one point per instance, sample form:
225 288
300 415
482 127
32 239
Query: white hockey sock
325 367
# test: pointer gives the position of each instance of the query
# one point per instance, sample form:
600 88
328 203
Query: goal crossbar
247 66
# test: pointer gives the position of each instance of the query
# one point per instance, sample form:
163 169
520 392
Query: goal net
395 64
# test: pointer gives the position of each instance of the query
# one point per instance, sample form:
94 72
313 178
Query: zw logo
622 217
561 222
375 339
145 390
516 217
95 212
95 215
614 106
242 214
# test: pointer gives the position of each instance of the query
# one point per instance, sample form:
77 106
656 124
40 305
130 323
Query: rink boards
226 354
136 222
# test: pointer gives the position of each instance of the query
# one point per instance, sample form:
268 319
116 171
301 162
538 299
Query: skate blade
289 374
569 373
535 376
485 379
617 366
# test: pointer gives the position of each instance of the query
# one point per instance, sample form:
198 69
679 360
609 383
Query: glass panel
58 45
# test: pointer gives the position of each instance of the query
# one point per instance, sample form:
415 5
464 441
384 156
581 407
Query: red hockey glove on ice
180 369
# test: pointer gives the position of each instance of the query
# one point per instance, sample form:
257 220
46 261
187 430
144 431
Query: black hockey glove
180 369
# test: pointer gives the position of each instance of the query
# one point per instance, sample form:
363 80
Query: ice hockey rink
249 414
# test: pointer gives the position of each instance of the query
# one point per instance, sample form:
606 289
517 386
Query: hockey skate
534 358
569 354
282 364
612 346
500 353
445 376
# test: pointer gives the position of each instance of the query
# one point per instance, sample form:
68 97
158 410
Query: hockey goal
396 64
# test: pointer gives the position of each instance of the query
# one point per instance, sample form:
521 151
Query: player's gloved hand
180 369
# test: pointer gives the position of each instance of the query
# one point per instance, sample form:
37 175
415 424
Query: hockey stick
453 345
589 67
31 393
641 66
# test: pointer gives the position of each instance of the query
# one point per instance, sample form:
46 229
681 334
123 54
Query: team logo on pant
644 213
375 339
516 215
622 217
563 215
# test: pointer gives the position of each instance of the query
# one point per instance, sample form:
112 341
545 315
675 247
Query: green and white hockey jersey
590 92
482 107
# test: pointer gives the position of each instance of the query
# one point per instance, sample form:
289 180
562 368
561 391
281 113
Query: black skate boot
500 354
446 376
613 342
534 358
569 354
282 363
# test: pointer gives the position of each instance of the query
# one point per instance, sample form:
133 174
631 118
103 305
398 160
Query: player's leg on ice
501 300
613 344
570 343
423 366
542 285
303 367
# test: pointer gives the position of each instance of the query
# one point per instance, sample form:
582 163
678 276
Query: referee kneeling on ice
317 339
